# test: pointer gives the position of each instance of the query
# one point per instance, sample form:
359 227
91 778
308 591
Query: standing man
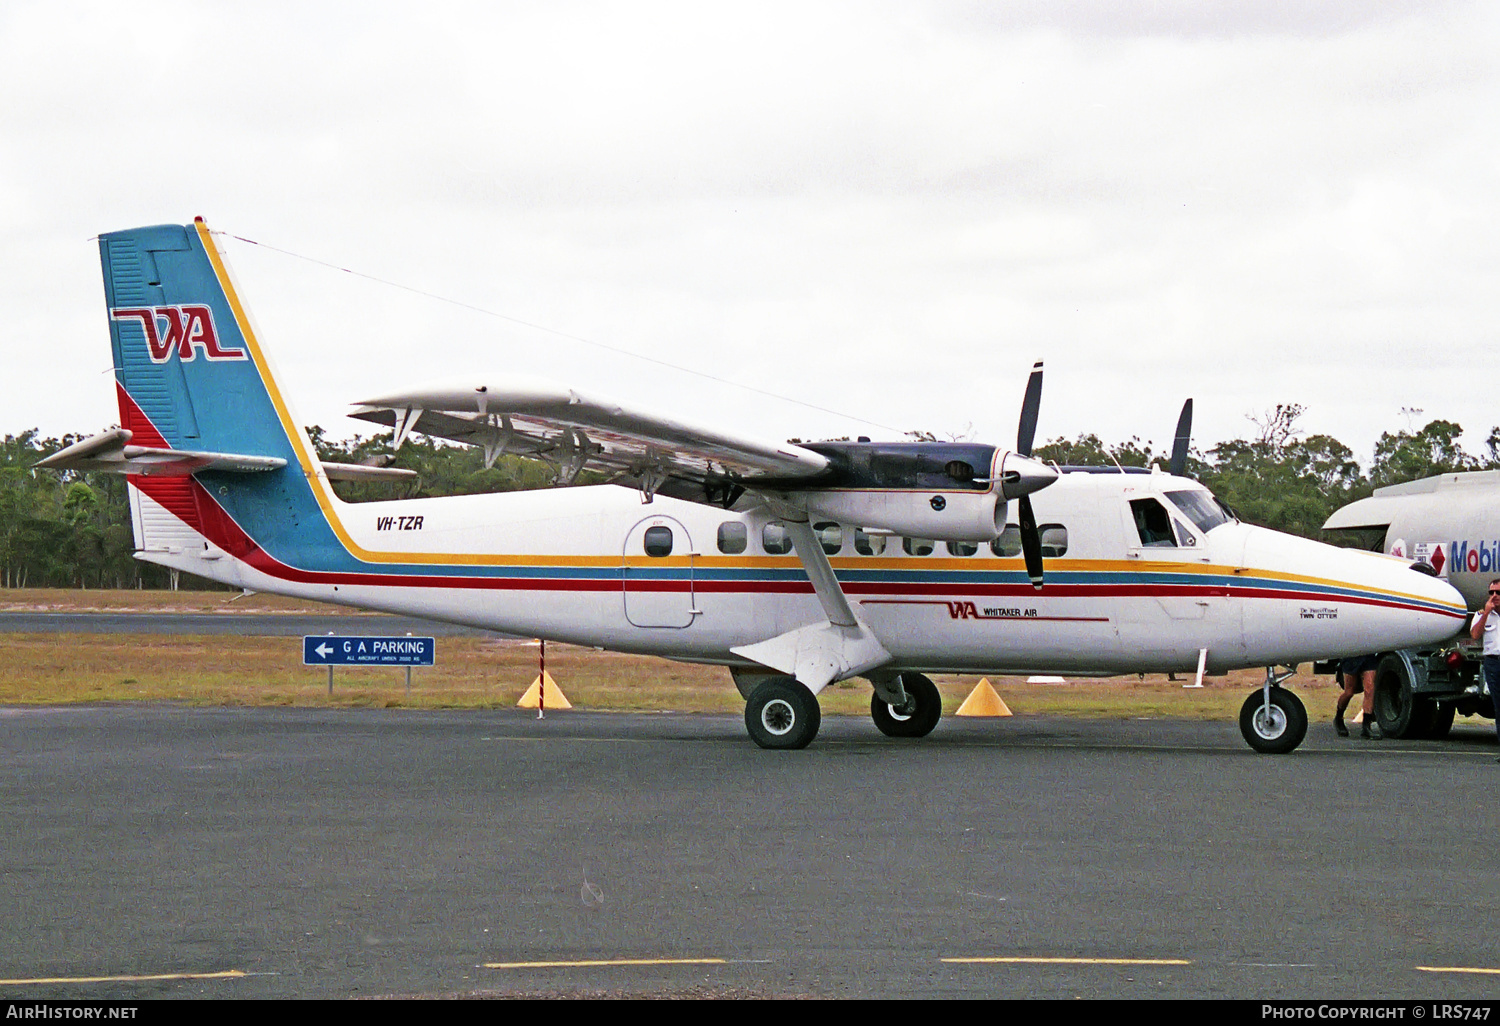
1358 675
1487 628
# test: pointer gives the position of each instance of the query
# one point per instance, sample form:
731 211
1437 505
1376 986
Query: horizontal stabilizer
360 472
111 452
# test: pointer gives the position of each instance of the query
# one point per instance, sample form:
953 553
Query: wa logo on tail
184 329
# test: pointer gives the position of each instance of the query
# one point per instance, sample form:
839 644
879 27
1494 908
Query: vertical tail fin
190 375
189 371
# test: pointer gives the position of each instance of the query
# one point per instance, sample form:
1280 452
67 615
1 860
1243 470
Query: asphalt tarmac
243 853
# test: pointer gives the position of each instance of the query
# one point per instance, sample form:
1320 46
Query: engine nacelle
966 516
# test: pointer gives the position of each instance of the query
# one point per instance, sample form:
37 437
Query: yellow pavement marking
1457 969
228 975
1075 961
589 963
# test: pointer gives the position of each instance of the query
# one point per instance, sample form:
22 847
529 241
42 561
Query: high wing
575 432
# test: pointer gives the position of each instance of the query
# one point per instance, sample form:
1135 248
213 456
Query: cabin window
1152 524
658 541
918 546
867 544
962 548
1054 540
775 539
830 536
1008 545
732 537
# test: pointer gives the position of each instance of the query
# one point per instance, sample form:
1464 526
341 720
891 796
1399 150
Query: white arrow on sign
323 650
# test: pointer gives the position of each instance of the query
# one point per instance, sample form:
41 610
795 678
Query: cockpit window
1152 523
1201 508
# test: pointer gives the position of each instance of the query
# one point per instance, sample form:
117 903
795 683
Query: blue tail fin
189 373
191 376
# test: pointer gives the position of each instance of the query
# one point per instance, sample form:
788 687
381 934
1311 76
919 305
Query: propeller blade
1178 466
1031 542
1030 406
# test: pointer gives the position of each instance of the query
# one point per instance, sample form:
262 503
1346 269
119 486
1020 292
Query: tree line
73 529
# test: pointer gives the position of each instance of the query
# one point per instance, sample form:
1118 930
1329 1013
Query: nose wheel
1273 720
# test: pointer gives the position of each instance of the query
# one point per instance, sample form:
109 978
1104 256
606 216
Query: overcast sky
887 210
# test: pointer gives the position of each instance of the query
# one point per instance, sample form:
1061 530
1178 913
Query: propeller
1178 464
1031 539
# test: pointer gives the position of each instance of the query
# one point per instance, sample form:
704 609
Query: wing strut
818 654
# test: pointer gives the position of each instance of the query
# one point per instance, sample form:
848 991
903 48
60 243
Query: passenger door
656 574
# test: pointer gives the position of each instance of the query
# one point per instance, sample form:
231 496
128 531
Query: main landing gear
1272 720
783 713
909 709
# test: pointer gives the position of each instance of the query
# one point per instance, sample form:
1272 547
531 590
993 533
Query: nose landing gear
1273 720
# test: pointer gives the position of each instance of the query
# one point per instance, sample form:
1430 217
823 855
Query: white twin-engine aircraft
795 566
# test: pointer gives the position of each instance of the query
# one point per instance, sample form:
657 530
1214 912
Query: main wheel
1401 713
782 713
915 718
1277 730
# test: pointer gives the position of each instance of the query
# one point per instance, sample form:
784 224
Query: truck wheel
1400 713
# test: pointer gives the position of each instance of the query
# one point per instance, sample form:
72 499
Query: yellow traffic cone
984 701
544 688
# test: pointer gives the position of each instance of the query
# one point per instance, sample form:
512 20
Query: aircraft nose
1339 603
1397 607
1022 475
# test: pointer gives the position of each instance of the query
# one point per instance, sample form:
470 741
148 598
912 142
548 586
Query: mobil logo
1480 557
183 329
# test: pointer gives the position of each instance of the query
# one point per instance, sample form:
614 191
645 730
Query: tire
1279 733
782 714
1400 713
924 707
